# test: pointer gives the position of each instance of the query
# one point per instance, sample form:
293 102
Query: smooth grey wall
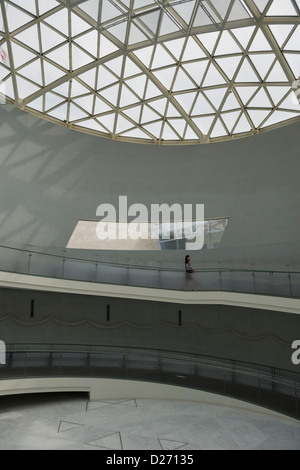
245 334
50 177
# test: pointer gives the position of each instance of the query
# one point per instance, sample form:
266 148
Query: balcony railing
263 385
264 282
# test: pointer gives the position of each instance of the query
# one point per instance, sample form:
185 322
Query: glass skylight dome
154 71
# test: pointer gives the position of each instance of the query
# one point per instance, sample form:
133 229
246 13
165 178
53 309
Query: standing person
188 272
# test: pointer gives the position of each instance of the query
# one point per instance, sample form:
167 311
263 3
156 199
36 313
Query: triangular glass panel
196 70
222 8
294 42
261 4
178 125
201 107
46 5
172 111
62 89
15 17
21 56
229 64
30 38
130 68
151 20
280 8
258 116
292 101
111 94
37 104
89 78
119 31
49 38
60 56
246 73
159 106
201 18
216 96
168 133
123 124
230 119
260 43
218 130
161 58
243 35
51 73
231 102
238 12
208 40
100 106
52 100
186 101
108 121
79 58
91 124
148 115
25 88
245 93
89 42
242 126
29 5
144 55
182 82
33 72
213 77
115 65
192 50
278 116
175 47
105 78
280 32
204 123
165 76
262 63
294 63
59 21
109 11
277 74
78 25
260 100
167 25
277 93
134 113
106 46
78 89
154 128
185 10
60 112
86 103
127 97
152 90
190 134
136 134
136 35
75 113
137 84
91 7
227 45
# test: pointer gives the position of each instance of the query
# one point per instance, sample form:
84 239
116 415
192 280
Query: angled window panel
30 38
60 112
261 4
292 101
215 96
262 63
185 11
91 7
280 32
37 105
165 76
16 18
130 68
229 64
105 78
237 12
136 134
108 121
159 106
127 97
76 113
280 8
78 89
46 5
115 65
246 73
151 90
175 47
190 134
186 100
136 35
246 93
161 58
89 42
168 133
277 74
25 87
218 130
196 70
29 5
51 73
91 124
78 25
137 84
244 35
109 11
201 106
204 124
278 93
86 103
294 42
89 78
260 43
278 117
154 128
63 89
111 94
213 77
230 119
59 21
50 38
148 115
150 20
134 113
52 100
21 56
171 111
242 125
201 18
260 100
123 124
231 102
167 25
119 31
107 47
192 50
209 40
79 58
182 82
33 72
145 55
100 106
258 116
227 45
60 56
179 125
294 62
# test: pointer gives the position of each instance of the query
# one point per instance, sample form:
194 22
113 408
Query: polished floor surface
66 421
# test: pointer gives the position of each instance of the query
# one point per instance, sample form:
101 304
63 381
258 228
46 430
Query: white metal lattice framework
157 71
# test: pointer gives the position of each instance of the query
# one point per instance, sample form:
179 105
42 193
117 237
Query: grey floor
71 422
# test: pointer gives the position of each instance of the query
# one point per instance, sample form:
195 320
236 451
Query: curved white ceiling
154 71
